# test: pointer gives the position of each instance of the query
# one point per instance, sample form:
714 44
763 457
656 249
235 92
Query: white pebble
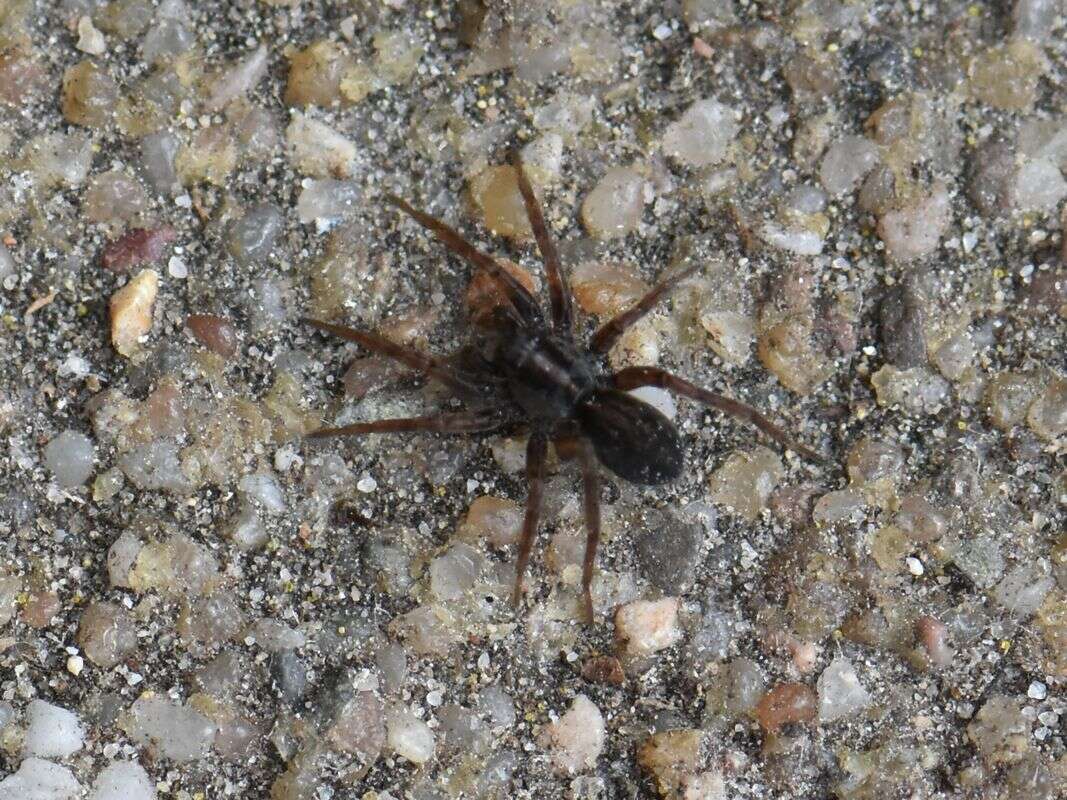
577 738
801 242
170 731
1023 589
915 229
51 731
275 636
915 566
840 691
455 572
285 458
70 458
409 736
90 40
1037 691
613 208
327 200
176 268
123 780
318 150
75 665
74 366
846 162
645 627
263 488
367 484
1039 186
37 779
702 135
239 78
7 263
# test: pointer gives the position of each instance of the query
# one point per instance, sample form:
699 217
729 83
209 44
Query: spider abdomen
630 437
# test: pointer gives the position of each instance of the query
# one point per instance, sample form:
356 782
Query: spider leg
591 492
633 377
609 333
405 355
522 301
478 421
559 294
536 450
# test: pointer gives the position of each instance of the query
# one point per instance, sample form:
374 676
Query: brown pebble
933 635
785 703
215 333
671 758
21 77
604 669
40 608
138 246
494 519
496 193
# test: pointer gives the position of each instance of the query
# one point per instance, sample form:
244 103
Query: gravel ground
196 601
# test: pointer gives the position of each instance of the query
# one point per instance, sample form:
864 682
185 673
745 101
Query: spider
523 369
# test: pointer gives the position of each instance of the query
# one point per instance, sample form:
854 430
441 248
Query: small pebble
215 333
577 738
409 736
614 206
795 702
915 229
840 692
123 780
90 40
647 626
934 637
169 730
70 458
37 779
137 247
702 135
131 311
745 481
106 633
51 732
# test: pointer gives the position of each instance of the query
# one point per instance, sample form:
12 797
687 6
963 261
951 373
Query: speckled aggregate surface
937 623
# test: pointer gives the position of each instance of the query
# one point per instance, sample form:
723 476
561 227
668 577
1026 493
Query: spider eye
631 438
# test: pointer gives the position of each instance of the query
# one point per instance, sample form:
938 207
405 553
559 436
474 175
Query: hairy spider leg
559 293
479 421
521 300
633 377
536 450
405 355
608 333
591 504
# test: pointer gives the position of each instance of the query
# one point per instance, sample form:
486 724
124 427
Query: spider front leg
417 361
634 377
558 292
